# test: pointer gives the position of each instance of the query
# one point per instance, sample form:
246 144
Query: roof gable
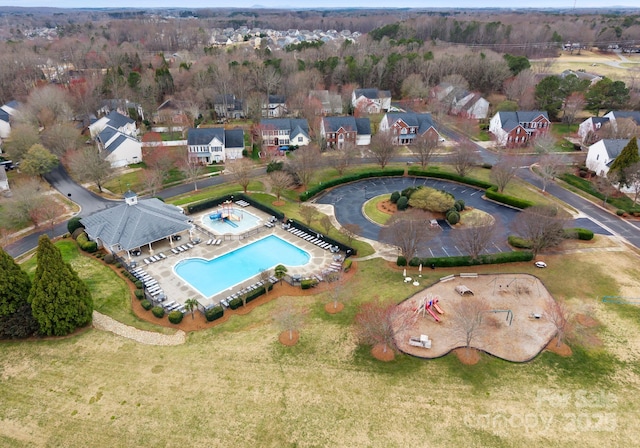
204 136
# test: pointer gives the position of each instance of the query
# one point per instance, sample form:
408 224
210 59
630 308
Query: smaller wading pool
211 277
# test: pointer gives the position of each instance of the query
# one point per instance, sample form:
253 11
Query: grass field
235 385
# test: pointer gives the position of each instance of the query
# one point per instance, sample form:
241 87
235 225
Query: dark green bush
256 293
158 311
394 197
175 317
73 224
403 203
138 284
274 166
415 262
146 304
620 212
76 233
579 233
518 242
109 258
349 178
435 173
409 191
236 303
139 294
308 283
502 257
347 264
493 194
460 205
214 313
453 217
401 261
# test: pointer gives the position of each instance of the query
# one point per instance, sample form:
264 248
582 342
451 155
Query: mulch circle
562 350
387 207
289 338
467 356
333 308
586 321
378 352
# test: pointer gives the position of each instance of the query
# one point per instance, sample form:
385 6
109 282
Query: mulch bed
378 352
333 308
387 207
289 339
467 356
562 350
586 321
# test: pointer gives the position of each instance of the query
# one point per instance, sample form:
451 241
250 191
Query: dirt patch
561 350
468 356
289 338
586 321
279 203
334 308
383 353
387 207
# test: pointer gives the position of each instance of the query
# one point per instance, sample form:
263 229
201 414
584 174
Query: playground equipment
509 317
436 306
226 213
422 341
426 304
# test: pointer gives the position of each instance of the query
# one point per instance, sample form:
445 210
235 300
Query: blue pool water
210 277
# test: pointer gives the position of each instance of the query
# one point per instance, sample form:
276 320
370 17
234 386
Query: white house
6 112
285 132
590 127
372 101
602 154
117 121
209 145
4 181
276 107
119 148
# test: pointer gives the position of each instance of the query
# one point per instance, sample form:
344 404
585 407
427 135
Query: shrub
138 284
158 311
394 197
139 294
403 203
214 313
350 178
520 243
579 233
453 217
432 200
79 231
460 205
620 212
118 265
347 264
146 304
502 257
236 303
74 224
492 193
175 317
308 283
433 172
274 166
401 261
415 262
409 191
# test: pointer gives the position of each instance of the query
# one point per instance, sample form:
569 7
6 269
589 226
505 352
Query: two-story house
228 106
513 129
6 112
274 107
602 154
277 132
461 102
115 120
589 129
340 131
405 127
118 148
371 101
209 145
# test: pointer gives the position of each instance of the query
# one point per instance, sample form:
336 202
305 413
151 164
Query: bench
421 341
468 275
447 278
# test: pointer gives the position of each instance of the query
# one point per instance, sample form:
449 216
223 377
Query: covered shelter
463 290
135 223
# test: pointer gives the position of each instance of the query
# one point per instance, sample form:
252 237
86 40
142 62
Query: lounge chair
168 304
209 242
190 246
162 256
218 241
146 261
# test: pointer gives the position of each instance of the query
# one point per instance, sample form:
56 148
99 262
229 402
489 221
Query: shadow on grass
401 365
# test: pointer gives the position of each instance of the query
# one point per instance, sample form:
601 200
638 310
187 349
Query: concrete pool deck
178 290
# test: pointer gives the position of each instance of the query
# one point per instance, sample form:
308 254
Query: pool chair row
154 258
183 248
150 284
310 238
174 306
225 302
243 203
214 242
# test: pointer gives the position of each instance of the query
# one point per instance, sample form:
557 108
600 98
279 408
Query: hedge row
520 243
85 244
493 194
236 303
432 172
579 233
214 202
349 178
624 203
214 313
447 262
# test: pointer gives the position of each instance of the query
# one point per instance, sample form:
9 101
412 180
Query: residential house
371 101
135 223
339 131
616 115
118 148
123 107
285 132
461 102
512 129
6 112
406 126
209 145
4 181
275 107
588 129
327 102
591 77
602 154
172 113
228 106
117 121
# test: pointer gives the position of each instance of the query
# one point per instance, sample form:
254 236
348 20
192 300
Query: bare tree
350 231
382 148
504 171
549 167
544 143
46 212
46 106
288 318
160 159
409 231
623 128
304 163
378 323
467 318
27 195
264 276
474 239
280 181
337 284
517 87
152 180
342 158
541 226
605 188
464 157
558 314
326 224
572 106
60 138
88 165
423 149
308 214
241 172
192 170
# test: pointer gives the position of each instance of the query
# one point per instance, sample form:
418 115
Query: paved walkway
102 322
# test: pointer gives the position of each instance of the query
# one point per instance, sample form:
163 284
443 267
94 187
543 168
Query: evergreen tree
627 157
60 300
14 285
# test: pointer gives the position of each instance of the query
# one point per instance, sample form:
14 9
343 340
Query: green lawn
372 212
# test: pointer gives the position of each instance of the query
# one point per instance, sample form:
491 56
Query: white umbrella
404 272
420 268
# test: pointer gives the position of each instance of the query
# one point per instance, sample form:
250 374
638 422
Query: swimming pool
230 220
210 277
